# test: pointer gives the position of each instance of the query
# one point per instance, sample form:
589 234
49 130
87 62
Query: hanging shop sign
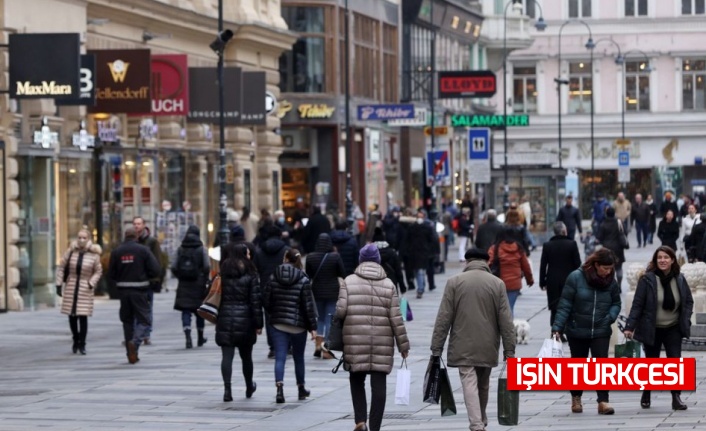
487 120
244 104
385 112
170 85
122 81
87 84
459 84
44 65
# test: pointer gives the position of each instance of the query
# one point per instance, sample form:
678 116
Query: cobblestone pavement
44 386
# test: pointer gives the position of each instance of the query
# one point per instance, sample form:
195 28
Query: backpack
188 266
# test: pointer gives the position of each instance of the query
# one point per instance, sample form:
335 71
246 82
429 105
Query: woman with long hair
239 316
589 304
661 313
79 272
288 300
510 255
514 221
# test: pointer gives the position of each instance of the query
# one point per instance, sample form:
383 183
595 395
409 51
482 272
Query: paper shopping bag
551 348
508 402
448 404
403 308
402 387
431 381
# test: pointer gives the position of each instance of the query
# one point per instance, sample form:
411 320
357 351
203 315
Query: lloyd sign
466 83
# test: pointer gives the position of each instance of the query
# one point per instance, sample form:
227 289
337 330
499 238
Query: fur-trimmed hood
90 247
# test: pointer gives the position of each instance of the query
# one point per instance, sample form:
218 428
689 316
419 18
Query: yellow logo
118 69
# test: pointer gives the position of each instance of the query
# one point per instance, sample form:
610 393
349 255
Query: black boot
303 393
645 401
74 347
187 333
280 393
82 348
250 390
201 341
677 403
227 396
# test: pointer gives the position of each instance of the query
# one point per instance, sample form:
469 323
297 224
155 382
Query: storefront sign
45 65
87 85
385 112
254 109
487 120
419 119
244 101
170 85
315 111
122 81
467 83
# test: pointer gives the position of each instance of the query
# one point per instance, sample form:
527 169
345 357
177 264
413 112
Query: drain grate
396 416
259 409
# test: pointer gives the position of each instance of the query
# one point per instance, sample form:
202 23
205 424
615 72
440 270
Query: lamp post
648 69
540 25
349 145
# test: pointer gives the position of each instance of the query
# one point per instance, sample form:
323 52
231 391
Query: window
303 69
579 8
525 89
635 7
693 80
247 188
389 63
366 69
580 87
637 86
693 7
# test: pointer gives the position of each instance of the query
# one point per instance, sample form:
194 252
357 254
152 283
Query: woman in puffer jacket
369 306
513 264
79 270
288 300
239 316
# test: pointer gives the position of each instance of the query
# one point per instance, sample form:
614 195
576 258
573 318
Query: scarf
596 281
669 302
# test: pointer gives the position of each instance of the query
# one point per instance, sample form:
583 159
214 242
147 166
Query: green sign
521 120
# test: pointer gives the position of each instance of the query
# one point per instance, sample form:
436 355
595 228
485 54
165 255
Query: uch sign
44 65
466 84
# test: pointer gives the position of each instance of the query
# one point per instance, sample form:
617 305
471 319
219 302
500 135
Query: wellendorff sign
122 81
44 65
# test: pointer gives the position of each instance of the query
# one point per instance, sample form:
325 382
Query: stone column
238 141
170 131
269 148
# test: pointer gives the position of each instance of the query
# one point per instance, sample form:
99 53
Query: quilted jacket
240 313
288 299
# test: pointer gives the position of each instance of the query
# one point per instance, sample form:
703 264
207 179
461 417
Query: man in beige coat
622 208
476 310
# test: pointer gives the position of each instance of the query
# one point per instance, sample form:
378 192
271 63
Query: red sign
467 84
146 195
170 85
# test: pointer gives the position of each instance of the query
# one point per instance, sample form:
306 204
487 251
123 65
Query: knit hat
378 235
610 212
237 232
369 253
477 253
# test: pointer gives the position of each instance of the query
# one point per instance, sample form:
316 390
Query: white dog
522 330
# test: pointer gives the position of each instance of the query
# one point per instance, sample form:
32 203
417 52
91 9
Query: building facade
162 168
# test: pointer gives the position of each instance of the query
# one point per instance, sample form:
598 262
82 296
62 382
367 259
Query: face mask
420 220
280 220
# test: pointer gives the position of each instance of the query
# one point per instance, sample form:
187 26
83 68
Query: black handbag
334 339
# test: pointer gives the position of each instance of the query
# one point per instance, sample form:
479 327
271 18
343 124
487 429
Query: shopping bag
508 402
403 308
448 404
551 348
209 309
404 382
409 316
628 349
431 381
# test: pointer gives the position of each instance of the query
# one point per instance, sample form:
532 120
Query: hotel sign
492 121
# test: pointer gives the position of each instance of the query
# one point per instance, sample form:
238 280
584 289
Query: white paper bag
404 381
551 348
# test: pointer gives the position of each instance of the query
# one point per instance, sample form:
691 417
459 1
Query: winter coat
288 300
668 233
609 234
269 255
622 209
405 223
513 264
132 266
570 216
519 234
688 222
390 262
585 311
191 293
372 324
599 209
393 232
476 310
317 224
669 205
347 247
487 234
640 213
560 257
153 245
324 281
653 217
240 313
643 314
420 245
85 270
464 226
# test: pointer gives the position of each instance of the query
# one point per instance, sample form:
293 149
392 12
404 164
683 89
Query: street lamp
559 82
540 25
349 144
647 69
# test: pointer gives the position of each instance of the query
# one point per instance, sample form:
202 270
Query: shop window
637 86
303 69
693 84
525 89
304 19
580 87
693 7
579 8
636 8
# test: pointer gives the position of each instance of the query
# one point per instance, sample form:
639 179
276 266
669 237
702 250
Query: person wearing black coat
668 231
560 257
465 234
668 204
653 218
239 315
389 260
392 229
420 249
317 224
192 291
488 232
325 267
608 235
661 313
569 215
288 299
347 247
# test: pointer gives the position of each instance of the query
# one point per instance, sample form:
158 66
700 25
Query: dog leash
537 313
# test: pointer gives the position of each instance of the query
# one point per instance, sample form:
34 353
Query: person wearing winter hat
369 304
389 260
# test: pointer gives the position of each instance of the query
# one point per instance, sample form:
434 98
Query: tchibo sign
44 65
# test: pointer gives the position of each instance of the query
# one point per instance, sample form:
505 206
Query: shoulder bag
209 309
622 238
319 268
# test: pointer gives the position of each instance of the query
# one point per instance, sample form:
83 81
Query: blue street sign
385 112
624 158
479 144
437 164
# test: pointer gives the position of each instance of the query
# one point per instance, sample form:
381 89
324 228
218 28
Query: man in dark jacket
569 215
149 241
668 204
131 268
389 260
421 249
698 233
391 227
317 224
560 257
488 231
640 216
346 246
599 208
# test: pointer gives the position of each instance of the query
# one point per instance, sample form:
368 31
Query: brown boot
576 406
605 409
319 342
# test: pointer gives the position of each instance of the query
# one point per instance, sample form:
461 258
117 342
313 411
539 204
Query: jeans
650 237
670 338
228 353
643 231
186 320
324 307
135 314
599 349
512 297
420 274
475 382
378 394
281 341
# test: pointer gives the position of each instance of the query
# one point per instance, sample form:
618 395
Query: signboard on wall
459 84
244 101
170 85
87 84
122 81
